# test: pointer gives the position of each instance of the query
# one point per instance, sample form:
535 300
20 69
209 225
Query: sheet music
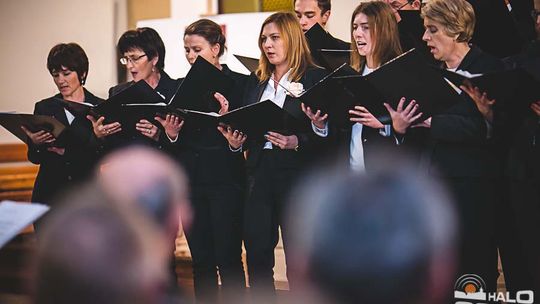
14 217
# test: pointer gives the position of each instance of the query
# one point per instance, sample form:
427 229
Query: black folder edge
520 76
451 96
254 128
250 63
6 117
225 84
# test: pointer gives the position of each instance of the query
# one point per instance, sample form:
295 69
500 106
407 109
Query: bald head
149 179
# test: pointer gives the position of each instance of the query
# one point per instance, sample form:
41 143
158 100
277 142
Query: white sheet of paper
14 217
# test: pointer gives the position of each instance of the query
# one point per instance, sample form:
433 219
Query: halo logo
471 289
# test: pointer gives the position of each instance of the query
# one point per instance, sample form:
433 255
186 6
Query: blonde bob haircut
456 17
383 30
296 46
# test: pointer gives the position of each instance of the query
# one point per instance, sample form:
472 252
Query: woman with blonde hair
275 161
464 149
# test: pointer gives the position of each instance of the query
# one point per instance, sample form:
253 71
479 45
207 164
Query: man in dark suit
310 12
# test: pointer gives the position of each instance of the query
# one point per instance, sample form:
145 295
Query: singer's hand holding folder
255 120
407 75
196 92
34 123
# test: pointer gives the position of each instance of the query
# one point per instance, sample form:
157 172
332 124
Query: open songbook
14 217
255 120
14 121
407 75
513 88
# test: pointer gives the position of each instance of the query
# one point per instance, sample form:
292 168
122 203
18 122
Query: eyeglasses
133 60
535 14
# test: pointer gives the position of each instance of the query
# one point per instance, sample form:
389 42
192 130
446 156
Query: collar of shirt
277 95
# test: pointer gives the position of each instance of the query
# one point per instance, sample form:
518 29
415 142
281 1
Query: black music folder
197 90
139 92
328 95
250 63
331 59
13 122
514 87
318 39
409 76
255 120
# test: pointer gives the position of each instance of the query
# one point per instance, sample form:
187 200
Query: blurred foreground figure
96 251
148 180
151 180
386 237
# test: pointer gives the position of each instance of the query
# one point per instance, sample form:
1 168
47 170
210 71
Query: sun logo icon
470 287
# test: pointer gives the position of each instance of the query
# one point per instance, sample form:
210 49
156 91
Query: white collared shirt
276 95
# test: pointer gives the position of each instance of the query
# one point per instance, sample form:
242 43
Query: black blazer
129 136
459 146
205 153
57 172
309 143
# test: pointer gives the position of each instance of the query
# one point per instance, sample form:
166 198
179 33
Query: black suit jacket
205 153
129 136
309 142
459 146
57 172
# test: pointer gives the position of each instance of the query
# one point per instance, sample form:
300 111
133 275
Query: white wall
340 18
31 27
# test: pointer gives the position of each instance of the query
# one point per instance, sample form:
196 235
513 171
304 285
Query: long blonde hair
383 30
298 54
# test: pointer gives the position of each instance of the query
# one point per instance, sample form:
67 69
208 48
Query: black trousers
477 201
521 256
215 241
268 188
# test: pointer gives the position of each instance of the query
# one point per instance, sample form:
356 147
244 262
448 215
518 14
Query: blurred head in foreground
385 237
151 180
93 250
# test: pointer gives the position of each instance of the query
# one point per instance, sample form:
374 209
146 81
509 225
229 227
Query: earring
153 68
83 81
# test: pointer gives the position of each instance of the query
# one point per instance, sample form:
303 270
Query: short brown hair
383 29
210 31
146 39
457 17
298 54
71 56
324 5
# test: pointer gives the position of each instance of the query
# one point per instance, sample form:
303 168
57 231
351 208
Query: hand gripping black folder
255 120
13 122
407 75
196 92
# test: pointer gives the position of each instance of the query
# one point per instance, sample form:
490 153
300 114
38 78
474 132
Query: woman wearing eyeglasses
68 159
143 54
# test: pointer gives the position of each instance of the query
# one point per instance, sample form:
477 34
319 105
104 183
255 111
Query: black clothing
493 21
271 175
469 161
58 172
217 179
129 135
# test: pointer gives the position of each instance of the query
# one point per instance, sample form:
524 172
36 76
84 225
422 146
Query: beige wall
31 27
146 9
